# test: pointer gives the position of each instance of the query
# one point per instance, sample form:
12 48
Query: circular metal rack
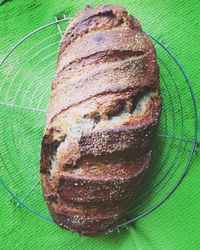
26 72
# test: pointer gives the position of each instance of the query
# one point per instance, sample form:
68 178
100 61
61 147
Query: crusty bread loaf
101 120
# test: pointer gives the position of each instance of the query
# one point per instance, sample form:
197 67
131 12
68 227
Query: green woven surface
174 225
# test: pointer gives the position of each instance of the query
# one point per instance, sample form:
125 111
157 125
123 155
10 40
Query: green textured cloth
175 224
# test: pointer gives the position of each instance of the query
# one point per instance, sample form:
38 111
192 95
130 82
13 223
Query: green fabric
175 224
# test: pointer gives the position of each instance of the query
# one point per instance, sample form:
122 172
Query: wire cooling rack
26 73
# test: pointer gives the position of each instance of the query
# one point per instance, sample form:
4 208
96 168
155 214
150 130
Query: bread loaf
101 120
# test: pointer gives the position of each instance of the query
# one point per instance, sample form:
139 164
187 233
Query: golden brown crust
101 120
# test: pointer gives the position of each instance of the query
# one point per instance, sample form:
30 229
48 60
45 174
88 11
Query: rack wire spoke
23 164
